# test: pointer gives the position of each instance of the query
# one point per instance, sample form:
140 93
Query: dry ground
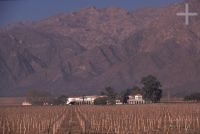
124 119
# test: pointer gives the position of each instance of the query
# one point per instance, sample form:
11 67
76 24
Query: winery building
83 100
136 99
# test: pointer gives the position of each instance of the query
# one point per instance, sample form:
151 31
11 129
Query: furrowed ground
124 119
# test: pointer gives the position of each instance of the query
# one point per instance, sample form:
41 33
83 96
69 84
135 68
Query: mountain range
85 51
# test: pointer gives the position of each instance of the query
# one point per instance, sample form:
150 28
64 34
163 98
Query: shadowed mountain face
83 52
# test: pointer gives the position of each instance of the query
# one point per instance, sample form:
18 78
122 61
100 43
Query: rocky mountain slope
83 52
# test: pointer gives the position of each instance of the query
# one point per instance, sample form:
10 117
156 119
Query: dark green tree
193 97
83 97
111 94
101 101
61 100
151 88
39 97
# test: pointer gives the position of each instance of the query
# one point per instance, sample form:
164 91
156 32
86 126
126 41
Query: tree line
45 98
195 97
150 90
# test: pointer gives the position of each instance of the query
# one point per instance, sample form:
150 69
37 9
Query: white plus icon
187 14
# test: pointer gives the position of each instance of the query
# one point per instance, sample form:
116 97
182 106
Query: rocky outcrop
85 51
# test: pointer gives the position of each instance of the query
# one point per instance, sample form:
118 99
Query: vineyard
124 119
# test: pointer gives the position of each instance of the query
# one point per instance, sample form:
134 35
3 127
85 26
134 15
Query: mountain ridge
83 52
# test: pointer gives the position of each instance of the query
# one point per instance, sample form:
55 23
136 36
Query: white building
136 99
118 102
25 103
83 100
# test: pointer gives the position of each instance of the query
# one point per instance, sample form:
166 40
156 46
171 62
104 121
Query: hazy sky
31 10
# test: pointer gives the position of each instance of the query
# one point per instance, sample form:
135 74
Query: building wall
88 100
137 99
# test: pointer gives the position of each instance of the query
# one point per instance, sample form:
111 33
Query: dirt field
11 101
124 119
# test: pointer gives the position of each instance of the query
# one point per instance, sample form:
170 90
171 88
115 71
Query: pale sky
12 11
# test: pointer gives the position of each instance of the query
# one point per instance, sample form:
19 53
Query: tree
110 93
101 101
151 88
132 91
61 100
193 97
39 97
83 97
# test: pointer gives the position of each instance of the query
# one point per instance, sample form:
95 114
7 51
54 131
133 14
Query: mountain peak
89 10
86 51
